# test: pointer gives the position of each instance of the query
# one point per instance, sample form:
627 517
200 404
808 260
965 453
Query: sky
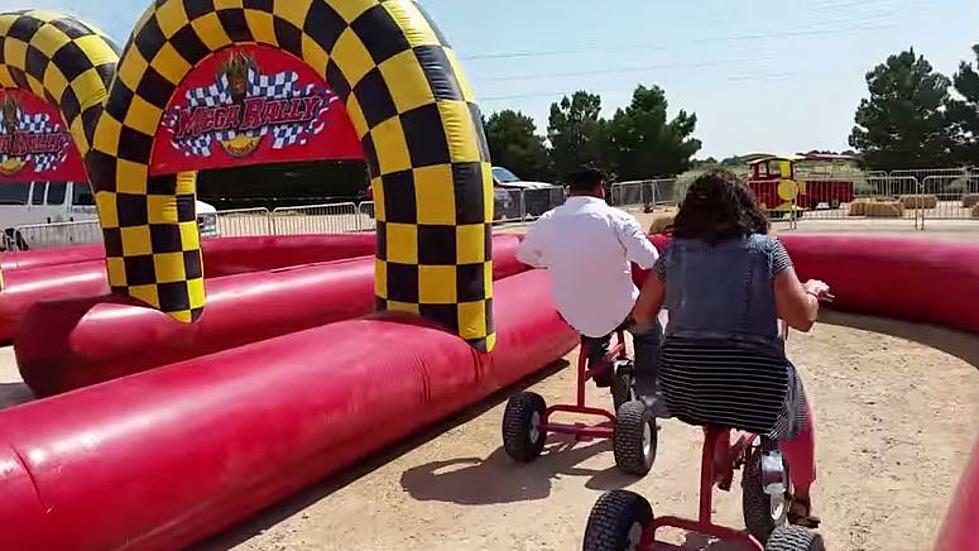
778 76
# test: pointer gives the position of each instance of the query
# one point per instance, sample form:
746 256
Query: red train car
777 187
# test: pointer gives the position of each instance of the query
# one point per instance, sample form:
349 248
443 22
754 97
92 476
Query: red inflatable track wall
65 345
79 279
50 257
959 531
168 457
917 280
274 252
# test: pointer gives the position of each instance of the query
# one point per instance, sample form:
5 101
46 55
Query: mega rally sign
34 143
252 105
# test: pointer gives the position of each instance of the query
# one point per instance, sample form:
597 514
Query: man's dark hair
585 180
719 207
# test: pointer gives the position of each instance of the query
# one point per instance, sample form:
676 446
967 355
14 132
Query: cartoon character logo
243 108
10 109
237 70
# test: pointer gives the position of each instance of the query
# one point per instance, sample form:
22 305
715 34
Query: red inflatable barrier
165 458
49 257
64 345
917 280
230 254
959 531
78 279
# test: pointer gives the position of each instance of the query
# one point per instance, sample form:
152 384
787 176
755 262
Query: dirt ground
896 421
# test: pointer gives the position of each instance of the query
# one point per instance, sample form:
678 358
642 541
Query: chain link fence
245 222
47 236
950 197
917 195
646 194
323 219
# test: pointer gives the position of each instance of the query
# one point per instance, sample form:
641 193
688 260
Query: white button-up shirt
587 247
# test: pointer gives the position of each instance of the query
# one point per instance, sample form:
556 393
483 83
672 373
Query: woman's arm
650 301
796 304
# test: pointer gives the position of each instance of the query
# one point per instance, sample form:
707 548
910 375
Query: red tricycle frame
581 431
718 462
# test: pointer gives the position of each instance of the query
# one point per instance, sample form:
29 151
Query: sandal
800 514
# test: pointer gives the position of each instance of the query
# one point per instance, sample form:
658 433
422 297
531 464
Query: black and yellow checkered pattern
411 106
62 60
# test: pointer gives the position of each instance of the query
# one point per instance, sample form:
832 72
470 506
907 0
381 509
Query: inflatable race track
189 384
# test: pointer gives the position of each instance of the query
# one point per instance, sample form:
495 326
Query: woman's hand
817 288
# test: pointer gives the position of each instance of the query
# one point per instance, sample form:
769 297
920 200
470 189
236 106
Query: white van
35 215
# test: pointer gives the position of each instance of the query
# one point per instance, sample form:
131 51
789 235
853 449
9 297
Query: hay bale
858 207
919 201
662 221
970 200
885 209
878 207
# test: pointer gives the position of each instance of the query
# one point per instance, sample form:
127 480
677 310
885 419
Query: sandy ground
896 421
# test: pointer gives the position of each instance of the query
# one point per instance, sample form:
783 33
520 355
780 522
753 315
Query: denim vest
723 292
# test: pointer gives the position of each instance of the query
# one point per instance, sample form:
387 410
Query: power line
567 92
661 47
592 72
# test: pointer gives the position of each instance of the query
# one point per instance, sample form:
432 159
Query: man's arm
531 249
637 246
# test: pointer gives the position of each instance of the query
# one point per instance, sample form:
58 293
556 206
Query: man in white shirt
588 247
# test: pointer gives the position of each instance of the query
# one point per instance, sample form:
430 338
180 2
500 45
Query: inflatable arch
54 59
413 112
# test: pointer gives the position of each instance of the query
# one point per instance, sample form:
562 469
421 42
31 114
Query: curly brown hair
719 207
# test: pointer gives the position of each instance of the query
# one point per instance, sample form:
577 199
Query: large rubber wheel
618 522
635 438
755 503
523 438
623 385
795 538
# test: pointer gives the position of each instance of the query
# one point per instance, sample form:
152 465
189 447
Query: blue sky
761 75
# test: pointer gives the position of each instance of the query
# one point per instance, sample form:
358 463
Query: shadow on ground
12 394
498 479
304 499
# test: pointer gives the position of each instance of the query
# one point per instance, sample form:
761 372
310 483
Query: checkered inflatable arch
56 57
411 107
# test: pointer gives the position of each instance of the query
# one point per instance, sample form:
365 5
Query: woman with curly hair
726 283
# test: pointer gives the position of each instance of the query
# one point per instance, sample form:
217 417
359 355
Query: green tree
902 123
514 144
577 134
964 113
643 143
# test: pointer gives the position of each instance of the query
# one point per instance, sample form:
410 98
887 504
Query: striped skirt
732 384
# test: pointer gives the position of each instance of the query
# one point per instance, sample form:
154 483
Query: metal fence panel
645 194
245 222
950 197
47 236
628 194
508 205
366 219
316 219
921 173
538 201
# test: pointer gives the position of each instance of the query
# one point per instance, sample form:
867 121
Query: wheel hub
535 427
635 537
647 440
